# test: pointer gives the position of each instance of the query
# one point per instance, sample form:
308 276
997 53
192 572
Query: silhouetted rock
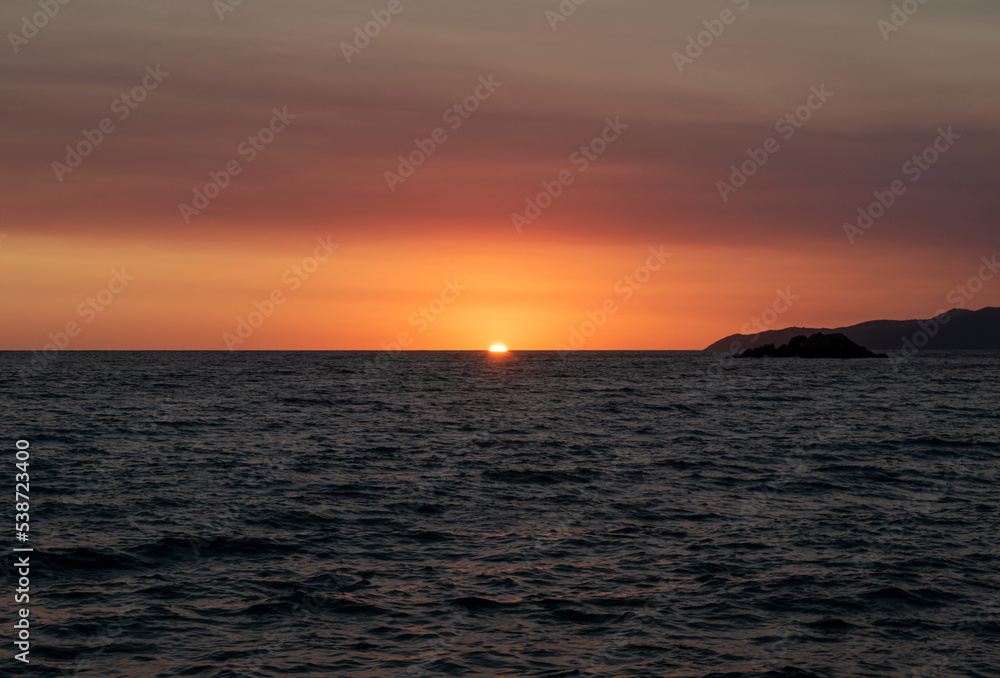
817 346
955 330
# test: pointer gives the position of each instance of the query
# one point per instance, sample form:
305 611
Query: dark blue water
454 514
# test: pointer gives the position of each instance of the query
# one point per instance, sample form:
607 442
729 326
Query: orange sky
448 294
323 174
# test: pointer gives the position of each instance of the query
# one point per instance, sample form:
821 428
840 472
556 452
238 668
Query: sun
498 348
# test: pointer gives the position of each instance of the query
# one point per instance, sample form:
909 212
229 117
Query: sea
664 514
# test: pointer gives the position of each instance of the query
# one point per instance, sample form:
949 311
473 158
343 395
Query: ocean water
458 514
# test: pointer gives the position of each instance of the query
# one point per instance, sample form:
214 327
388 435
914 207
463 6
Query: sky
625 175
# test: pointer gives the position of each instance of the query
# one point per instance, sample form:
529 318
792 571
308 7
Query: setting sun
498 348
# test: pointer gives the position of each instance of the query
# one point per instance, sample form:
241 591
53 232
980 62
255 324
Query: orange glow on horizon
456 294
581 204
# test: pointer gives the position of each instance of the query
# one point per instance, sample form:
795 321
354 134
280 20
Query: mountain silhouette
955 330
